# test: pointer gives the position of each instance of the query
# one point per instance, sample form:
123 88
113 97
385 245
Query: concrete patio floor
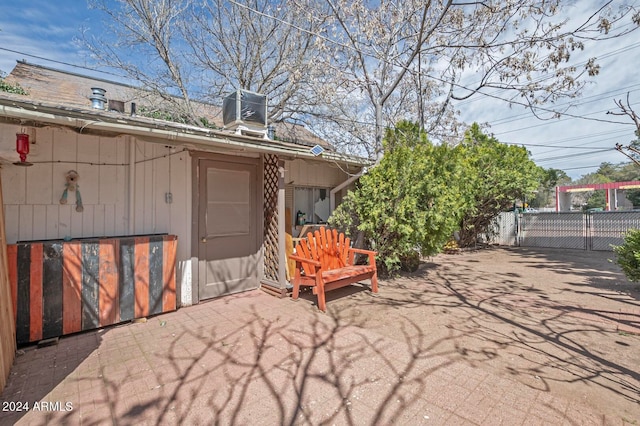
254 359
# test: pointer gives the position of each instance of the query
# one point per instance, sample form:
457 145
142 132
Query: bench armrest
370 253
305 260
362 251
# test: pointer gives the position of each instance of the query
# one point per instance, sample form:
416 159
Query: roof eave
159 131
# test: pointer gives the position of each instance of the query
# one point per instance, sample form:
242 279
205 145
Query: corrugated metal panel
558 230
593 231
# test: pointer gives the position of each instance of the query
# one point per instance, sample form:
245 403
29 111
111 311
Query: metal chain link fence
585 231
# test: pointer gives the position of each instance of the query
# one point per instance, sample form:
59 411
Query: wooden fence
7 324
62 287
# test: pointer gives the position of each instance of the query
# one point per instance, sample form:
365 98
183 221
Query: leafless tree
206 49
351 69
146 45
524 46
625 109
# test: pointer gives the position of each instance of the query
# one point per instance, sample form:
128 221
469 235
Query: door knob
203 239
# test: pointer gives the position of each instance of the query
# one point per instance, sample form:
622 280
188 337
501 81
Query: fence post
588 243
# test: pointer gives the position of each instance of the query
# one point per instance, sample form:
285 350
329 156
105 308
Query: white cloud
47 29
42 28
575 141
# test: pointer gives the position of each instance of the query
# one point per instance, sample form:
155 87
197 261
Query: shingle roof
45 104
73 90
65 88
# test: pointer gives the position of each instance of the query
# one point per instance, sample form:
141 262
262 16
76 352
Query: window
228 202
310 205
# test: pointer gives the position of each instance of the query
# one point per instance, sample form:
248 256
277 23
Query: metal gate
609 228
504 230
584 231
558 230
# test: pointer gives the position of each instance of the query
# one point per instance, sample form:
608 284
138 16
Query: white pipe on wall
332 193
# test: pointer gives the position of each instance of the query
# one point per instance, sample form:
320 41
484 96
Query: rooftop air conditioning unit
246 112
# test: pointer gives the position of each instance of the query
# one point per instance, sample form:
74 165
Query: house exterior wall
32 194
315 174
300 173
129 187
162 203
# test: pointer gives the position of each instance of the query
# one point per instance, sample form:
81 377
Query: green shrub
628 255
11 88
345 218
410 262
409 204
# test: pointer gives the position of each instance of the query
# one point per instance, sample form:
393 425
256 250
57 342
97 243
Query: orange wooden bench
325 261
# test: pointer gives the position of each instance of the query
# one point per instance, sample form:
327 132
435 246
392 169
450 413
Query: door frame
258 161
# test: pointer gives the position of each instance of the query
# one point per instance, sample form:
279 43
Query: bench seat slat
346 272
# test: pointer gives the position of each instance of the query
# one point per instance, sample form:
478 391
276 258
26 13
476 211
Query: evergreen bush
628 255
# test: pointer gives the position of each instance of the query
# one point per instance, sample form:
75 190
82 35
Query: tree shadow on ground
598 269
528 321
455 341
236 362
38 375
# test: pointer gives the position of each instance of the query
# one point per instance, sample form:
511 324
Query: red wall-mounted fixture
22 147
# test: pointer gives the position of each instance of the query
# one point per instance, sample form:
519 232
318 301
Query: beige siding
32 194
161 170
7 325
32 202
180 210
299 173
288 198
315 174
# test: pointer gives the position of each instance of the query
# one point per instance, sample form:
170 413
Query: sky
45 32
579 144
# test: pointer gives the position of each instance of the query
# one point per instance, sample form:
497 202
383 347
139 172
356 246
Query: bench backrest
328 247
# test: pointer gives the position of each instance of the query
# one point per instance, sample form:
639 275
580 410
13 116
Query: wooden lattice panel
271 180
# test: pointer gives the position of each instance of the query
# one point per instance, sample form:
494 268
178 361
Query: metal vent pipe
98 98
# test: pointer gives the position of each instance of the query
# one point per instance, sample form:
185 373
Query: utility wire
557 142
550 144
561 157
579 64
583 167
384 60
61 62
573 116
583 146
598 97
374 56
